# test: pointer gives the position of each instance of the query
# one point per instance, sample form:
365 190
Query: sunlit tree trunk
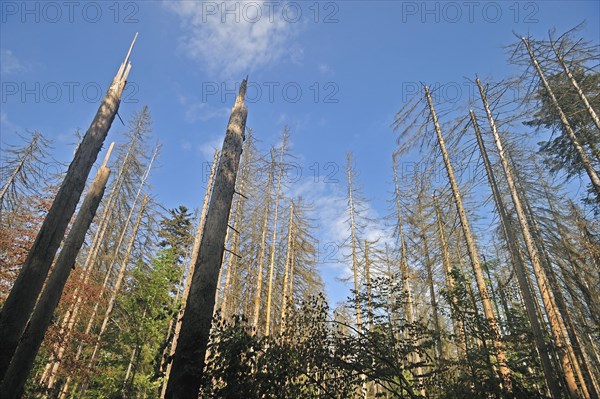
475 263
189 358
26 289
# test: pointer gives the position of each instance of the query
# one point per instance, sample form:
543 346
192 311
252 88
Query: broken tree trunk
191 268
353 244
288 253
31 340
189 358
475 262
27 287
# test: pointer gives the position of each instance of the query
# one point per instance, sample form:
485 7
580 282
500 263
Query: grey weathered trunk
191 268
31 340
189 358
27 287
353 248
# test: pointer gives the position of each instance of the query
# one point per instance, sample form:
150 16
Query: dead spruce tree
27 287
189 357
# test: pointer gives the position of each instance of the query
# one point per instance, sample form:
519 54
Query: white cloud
208 147
203 112
233 44
10 64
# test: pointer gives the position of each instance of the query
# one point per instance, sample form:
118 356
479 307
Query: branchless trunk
191 268
70 318
24 357
519 267
475 263
353 248
274 237
587 165
545 289
22 298
457 323
189 358
263 247
288 253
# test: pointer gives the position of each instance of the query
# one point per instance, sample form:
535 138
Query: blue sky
353 61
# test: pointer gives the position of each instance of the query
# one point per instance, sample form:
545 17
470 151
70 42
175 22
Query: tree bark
22 298
353 244
189 358
288 253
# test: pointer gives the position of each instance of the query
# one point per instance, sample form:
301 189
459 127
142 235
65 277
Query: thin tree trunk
520 270
457 324
26 289
570 132
119 281
263 245
191 268
487 306
288 253
545 289
274 237
31 340
189 358
353 244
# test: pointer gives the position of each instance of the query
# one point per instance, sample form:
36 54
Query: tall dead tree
585 161
519 267
191 268
274 237
21 300
353 244
286 275
31 340
189 358
457 324
263 248
542 280
472 249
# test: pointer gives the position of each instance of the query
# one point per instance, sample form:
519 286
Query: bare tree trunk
288 253
545 289
487 306
261 258
119 281
409 311
191 268
519 267
189 358
105 283
24 293
457 324
428 268
274 237
574 140
31 340
353 244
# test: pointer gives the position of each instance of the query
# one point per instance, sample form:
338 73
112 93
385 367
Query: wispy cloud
10 64
233 44
208 147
